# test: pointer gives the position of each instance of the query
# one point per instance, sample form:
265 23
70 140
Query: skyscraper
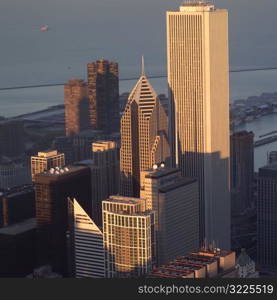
242 170
52 189
46 160
144 136
267 217
105 175
87 244
12 138
175 201
103 88
76 106
129 239
197 55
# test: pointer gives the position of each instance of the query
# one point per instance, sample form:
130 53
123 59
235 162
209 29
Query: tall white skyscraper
198 78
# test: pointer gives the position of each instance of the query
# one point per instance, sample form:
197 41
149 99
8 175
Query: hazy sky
123 30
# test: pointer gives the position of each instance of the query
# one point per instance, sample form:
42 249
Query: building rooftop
61 171
19 227
196 6
124 200
47 153
161 172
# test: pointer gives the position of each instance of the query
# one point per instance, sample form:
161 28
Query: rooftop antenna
142 66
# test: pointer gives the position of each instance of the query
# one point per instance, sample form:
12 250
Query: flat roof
18 228
161 172
182 181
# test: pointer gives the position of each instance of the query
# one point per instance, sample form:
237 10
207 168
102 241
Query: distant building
144 136
246 266
103 86
17 249
205 263
267 217
12 138
46 160
272 157
13 173
175 201
17 205
87 244
242 170
76 106
52 189
129 239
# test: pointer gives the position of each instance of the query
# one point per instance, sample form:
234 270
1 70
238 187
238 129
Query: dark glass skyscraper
103 89
52 189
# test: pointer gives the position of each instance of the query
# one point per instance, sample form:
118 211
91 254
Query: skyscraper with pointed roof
144 135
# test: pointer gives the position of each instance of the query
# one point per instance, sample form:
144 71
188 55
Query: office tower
46 160
144 136
242 170
12 138
105 175
17 249
52 189
197 55
103 89
175 201
13 173
76 106
267 217
87 244
17 205
129 240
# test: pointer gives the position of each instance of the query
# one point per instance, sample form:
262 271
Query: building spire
142 66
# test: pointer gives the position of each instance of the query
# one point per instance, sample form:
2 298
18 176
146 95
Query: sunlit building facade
129 240
198 79
144 136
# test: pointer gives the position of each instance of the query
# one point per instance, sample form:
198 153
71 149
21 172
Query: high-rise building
103 86
13 173
52 189
17 249
144 136
198 79
267 217
46 160
76 106
129 240
242 170
87 244
105 175
17 205
12 138
175 201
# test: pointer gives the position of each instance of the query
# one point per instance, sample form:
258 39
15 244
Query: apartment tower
144 136
103 86
76 106
129 240
197 55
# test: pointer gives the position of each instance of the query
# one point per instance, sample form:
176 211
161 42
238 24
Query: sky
121 30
